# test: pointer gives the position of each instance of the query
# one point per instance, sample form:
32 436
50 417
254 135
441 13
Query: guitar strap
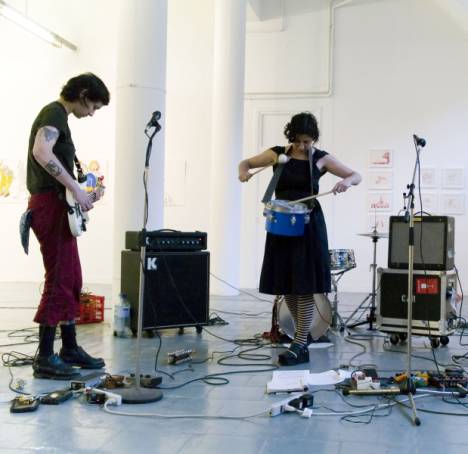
79 169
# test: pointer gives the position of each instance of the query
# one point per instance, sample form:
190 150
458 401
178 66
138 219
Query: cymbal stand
371 296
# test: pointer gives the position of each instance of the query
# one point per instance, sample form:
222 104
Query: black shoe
295 354
78 357
53 368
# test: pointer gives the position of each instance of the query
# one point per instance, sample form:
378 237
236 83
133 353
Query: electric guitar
77 218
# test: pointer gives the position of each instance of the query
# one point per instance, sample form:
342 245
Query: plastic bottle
122 317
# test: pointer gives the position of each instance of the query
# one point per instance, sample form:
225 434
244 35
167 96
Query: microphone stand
408 387
135 394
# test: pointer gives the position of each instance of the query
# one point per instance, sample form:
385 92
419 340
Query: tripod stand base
134 395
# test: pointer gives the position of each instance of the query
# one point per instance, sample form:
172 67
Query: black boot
78 357
295 354
53 368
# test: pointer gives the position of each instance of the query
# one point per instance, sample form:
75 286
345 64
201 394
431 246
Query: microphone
155 116
419 141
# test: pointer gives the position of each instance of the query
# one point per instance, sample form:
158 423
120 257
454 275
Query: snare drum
285 218
341 259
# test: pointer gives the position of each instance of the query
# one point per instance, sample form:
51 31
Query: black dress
298 265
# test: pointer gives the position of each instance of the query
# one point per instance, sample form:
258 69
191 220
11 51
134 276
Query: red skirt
63 280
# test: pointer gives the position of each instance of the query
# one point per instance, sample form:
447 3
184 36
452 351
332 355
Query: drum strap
272 184
311 166
276 176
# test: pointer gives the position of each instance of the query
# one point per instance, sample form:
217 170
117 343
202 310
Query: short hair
302 123
95 88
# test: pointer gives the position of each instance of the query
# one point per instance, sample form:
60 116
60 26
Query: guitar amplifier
176 290
434 307
434 238
166 240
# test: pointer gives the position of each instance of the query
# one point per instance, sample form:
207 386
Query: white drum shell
320 323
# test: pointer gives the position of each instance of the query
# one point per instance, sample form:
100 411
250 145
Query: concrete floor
77 427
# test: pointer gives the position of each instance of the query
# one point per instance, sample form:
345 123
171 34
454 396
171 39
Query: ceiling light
23 21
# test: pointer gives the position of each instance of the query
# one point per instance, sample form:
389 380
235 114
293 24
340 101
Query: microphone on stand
153 123
419 141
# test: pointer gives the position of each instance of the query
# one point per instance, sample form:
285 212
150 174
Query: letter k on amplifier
151 264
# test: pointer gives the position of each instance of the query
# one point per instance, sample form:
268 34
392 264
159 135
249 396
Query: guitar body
77 218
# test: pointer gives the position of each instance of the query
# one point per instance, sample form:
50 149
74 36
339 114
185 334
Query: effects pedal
23 404
88 381
57 397
179 356
146 381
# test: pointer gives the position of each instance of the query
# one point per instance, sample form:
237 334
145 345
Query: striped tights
301 308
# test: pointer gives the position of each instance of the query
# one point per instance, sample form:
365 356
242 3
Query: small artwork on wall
453 178
429 202
380 179
452 203
379 201
428 178
12 181
381 158
378 222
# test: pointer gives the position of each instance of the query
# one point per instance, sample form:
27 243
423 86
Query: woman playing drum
299 266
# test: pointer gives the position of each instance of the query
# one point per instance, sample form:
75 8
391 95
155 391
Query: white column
228 106
140 90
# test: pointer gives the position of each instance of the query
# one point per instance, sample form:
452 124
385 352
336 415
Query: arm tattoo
50 134
53 168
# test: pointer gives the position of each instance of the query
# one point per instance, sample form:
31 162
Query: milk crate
91 309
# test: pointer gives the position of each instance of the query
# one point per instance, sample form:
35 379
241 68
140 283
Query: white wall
399 68
32 75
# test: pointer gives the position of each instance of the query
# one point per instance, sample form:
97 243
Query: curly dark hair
302 123
92 85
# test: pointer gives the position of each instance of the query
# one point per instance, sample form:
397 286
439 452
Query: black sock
68 336
46 340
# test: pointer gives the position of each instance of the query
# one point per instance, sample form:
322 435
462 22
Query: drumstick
282 159
310 197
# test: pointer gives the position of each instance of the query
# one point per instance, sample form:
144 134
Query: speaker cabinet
434 310
176 292
434 238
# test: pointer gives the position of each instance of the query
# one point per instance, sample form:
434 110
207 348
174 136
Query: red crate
91 309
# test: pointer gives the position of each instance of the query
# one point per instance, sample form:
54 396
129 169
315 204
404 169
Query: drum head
320 323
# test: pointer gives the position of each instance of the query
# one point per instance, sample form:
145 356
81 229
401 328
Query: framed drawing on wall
380 179
381 158
453 178
452 203
429 178
429 202
379 201
377 221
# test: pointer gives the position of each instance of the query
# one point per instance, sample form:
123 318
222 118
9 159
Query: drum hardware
371 297
341 261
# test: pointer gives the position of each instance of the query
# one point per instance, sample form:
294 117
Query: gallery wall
390 69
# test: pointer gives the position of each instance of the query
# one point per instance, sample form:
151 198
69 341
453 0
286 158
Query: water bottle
122 317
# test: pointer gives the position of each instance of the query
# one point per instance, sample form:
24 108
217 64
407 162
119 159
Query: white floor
78 427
